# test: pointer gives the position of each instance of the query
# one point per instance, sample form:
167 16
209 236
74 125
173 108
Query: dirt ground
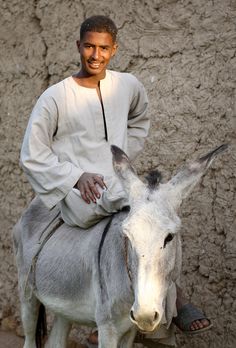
9 340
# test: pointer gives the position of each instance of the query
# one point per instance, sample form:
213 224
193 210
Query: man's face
96 50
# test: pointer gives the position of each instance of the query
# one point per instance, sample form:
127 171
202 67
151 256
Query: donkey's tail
41 328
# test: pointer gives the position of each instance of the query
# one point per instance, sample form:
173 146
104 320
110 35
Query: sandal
186 316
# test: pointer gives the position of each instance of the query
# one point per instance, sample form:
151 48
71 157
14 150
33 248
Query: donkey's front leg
107 336
59 333
128 339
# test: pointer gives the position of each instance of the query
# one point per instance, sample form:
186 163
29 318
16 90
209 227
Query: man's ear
114 49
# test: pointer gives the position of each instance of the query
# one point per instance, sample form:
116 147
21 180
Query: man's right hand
87 184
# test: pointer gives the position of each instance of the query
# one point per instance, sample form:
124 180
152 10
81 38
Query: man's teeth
95 64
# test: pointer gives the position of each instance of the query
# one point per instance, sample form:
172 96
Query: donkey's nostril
155 316
132 315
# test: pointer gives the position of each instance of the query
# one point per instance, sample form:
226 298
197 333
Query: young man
66 149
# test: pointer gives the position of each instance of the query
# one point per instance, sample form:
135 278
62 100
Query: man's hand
87 184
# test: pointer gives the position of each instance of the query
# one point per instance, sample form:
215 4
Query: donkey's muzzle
146 322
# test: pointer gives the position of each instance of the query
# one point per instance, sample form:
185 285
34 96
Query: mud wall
184 52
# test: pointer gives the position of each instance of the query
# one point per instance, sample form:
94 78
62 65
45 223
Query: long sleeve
51 178
138 121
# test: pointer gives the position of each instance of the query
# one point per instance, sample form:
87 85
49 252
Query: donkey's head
152 231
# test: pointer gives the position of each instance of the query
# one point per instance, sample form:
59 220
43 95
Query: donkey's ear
184 181
123 168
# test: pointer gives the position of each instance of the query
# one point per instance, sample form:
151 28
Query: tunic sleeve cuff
54 197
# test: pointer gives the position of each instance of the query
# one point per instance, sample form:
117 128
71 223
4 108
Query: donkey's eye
168 239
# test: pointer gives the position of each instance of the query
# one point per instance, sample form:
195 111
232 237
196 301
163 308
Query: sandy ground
9 340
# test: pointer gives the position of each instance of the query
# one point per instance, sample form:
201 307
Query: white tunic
65 136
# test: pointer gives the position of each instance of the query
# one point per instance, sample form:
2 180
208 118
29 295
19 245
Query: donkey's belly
81 311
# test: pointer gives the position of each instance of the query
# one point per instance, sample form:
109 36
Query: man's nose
95 54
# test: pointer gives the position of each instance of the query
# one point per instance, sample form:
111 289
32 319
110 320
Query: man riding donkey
66 149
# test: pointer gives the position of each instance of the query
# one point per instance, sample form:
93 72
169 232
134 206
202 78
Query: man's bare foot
199 324
93 337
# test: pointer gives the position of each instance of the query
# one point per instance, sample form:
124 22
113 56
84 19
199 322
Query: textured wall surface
184 52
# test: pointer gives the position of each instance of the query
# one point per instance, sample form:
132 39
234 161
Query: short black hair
100 24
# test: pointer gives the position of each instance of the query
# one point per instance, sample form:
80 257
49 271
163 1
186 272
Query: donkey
115 275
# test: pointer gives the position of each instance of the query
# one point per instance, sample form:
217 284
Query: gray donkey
115 275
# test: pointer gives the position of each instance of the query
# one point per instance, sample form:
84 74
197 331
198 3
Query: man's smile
94 64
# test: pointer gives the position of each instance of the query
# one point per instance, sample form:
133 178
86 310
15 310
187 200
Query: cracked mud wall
184 52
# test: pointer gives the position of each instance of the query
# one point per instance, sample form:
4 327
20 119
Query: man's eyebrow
91 44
